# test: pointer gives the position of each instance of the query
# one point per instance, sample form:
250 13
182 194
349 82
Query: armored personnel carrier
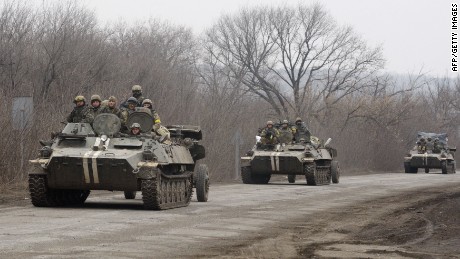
312 159
430 152
83 158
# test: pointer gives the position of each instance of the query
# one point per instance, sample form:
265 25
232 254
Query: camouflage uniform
285 133
112 110
81 114
126 112
270 135
301 131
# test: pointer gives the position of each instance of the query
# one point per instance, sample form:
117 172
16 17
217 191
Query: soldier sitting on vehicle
301 131
421 146
269 135
81 112
96 107
285 133
429 145
437 146
135 129
112 107
160 130
137 94
132 104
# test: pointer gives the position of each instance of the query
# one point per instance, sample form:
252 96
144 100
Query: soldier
269 135
301 131
429 145
81 112
112 107
132 104
157 128
137 93
421 146
96 107
285 133
437 146
147 103
135 129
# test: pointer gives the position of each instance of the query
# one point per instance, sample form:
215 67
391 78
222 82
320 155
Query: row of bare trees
258 64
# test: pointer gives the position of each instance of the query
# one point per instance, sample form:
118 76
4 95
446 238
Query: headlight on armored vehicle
45 152
148 155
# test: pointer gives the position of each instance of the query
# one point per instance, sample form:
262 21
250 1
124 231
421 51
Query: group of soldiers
428 145
271 135
84 113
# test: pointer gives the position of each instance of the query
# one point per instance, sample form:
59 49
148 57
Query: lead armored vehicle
83 158
430 152
311 159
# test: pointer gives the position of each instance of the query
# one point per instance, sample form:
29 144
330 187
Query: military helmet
136 88
269 122
135 125
298 119
112 99
96 97
79 98
147 101
132 100
285 121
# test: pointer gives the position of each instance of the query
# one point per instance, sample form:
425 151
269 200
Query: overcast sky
415 35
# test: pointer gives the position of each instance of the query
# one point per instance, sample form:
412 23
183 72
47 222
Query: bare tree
296 59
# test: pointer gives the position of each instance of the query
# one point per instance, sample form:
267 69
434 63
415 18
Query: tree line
248 67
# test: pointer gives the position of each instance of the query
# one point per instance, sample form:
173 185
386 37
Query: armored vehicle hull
431 152
316 163
80 160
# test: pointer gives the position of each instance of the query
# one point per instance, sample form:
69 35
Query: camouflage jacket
301 132
285 135
270 133
97 110
81 114
113 110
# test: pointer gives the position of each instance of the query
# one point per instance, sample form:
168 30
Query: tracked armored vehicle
315 161
83 158
430 152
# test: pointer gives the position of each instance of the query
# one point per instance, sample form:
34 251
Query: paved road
108 226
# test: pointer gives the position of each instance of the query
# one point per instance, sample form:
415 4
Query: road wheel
311 174
149 194
335 171
451 167
427 170
40 194
130 195
444 167
291 178
202 183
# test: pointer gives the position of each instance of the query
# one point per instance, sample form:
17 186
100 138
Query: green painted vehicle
430 152
311 159
83 158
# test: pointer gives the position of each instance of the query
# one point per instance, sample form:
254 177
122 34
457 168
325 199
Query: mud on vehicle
430 152
313 160
83 158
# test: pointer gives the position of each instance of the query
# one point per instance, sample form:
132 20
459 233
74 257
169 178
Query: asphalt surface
236 215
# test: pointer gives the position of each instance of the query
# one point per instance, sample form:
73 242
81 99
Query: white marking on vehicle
277 161
272 158
85 166
94 166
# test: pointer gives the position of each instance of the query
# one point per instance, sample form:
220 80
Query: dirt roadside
423 224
